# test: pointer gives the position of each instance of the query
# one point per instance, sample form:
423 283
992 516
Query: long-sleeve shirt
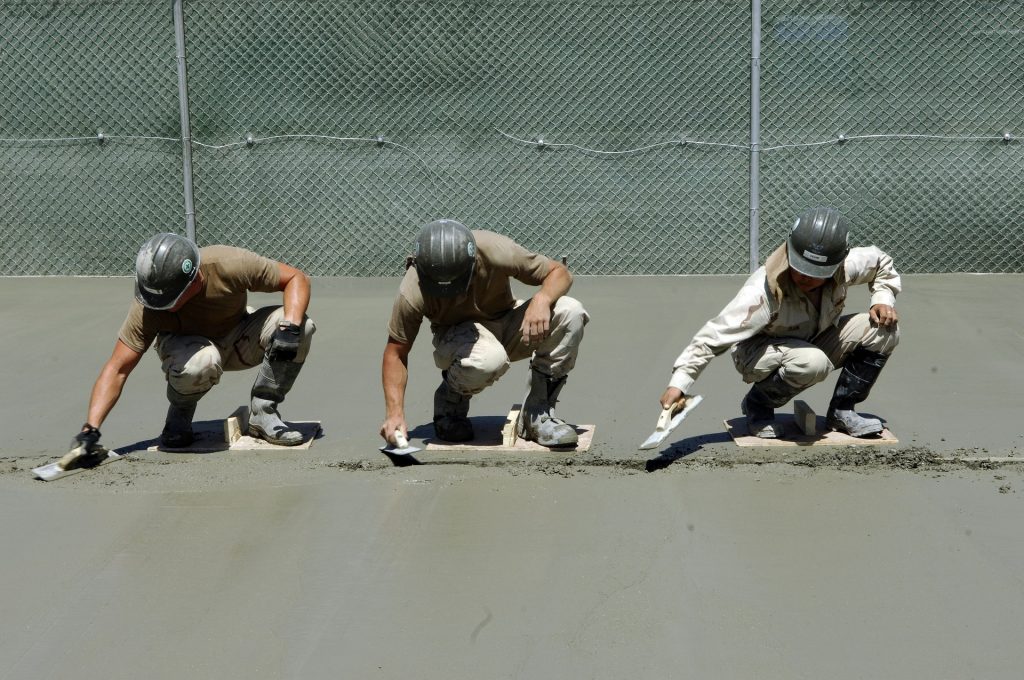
769 303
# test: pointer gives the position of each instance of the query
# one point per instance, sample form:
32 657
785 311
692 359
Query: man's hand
673 397
84 444
284 345
88 438
390 426
537 320
883 315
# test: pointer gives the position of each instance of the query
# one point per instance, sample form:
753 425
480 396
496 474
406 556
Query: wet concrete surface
699 560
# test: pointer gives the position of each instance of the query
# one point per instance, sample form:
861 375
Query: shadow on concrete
683 448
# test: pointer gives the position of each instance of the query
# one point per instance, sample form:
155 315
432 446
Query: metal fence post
186 129
755 133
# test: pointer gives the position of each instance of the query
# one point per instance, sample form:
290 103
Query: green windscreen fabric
460 93
615 134
908 84
70 71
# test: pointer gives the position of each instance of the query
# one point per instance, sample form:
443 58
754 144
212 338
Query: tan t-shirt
498 258
215 310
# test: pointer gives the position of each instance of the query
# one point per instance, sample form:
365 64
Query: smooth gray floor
332 562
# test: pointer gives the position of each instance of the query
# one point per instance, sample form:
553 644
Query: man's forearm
556 284
296 299
395 377
105 394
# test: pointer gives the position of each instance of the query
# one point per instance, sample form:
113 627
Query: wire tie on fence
541 144
841 139
380 140
100 137
1007 137
250 141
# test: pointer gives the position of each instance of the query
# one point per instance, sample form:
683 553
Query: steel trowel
669 420
403 448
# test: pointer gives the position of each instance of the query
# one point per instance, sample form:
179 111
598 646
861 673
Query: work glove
284 345
84 444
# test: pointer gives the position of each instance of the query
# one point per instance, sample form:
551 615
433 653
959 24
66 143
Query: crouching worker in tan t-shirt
192 303
461 284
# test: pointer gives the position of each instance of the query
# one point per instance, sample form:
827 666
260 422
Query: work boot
761 401
538 421
177 432
274 380
451 413
859 374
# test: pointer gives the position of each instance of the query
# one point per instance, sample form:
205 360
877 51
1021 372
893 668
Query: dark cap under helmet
164 268
445 257
818 242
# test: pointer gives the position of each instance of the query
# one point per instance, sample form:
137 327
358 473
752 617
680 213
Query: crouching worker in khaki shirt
461 284
787 330
191 303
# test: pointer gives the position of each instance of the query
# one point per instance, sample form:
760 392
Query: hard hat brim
159 302
449 289
801 264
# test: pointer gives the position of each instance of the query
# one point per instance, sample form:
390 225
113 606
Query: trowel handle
401 440
666 414
665 418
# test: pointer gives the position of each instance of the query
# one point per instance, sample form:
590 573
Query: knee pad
471 376
199 374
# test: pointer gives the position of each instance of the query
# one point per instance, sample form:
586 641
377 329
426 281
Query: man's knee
193 372
306 340
569 314
805 367
470 375
882 339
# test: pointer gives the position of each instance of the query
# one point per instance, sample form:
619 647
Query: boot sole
257 431
182 443
554 444
858 434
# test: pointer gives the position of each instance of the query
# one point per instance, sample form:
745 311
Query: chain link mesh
69 71
945 68
448 83
460 93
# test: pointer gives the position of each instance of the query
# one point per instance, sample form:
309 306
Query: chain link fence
614 133
923 93
69 72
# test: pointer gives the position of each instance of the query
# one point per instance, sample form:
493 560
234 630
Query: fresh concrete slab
701 559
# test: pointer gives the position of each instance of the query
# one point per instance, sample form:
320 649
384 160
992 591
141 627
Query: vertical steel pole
755 133
186 128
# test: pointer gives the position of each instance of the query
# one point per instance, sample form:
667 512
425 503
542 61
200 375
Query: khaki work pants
476 354
801 363
193 364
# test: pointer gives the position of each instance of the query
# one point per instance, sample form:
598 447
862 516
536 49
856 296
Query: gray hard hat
445 258
818 242
164 268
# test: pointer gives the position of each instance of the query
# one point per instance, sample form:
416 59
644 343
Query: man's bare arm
394 378
110 383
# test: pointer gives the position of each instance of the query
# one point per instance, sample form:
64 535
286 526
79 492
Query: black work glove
88 439
85 444
284 345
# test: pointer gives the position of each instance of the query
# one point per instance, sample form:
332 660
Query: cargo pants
476 354
804 363
193 364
